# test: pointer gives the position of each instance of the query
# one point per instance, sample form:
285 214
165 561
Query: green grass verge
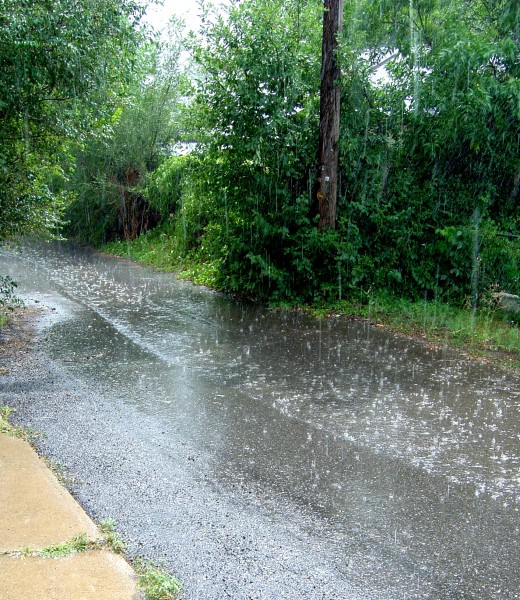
6 427
487 333
155 248
160 250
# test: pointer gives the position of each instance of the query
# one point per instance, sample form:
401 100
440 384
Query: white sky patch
158 15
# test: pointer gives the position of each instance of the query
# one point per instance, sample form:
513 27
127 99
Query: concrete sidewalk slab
36 511
92 575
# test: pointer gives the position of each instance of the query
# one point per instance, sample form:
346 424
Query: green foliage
435 141
484 333
156 583
157 248
164 186
430 174
416 160
5 413
112 170
255 118
8 298
63 65
6 427
79 543
111 537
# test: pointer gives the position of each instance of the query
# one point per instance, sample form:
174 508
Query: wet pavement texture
267 454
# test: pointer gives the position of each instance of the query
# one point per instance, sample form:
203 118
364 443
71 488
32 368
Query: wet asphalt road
266 455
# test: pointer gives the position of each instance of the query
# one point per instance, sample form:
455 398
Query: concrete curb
36 511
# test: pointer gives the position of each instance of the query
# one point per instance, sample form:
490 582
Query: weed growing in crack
111 537
78 543
156 583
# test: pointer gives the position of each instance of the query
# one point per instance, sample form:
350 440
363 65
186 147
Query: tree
255 115
112 169
63 63
330 99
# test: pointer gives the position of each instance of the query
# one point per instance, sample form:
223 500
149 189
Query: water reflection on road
405 458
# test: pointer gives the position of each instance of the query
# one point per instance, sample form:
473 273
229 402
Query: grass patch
206 273
155 582
79 543
5 414
156 248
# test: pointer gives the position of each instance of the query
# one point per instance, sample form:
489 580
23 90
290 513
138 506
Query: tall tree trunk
328 152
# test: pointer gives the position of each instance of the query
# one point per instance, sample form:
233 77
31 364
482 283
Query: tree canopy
111 169
63 64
